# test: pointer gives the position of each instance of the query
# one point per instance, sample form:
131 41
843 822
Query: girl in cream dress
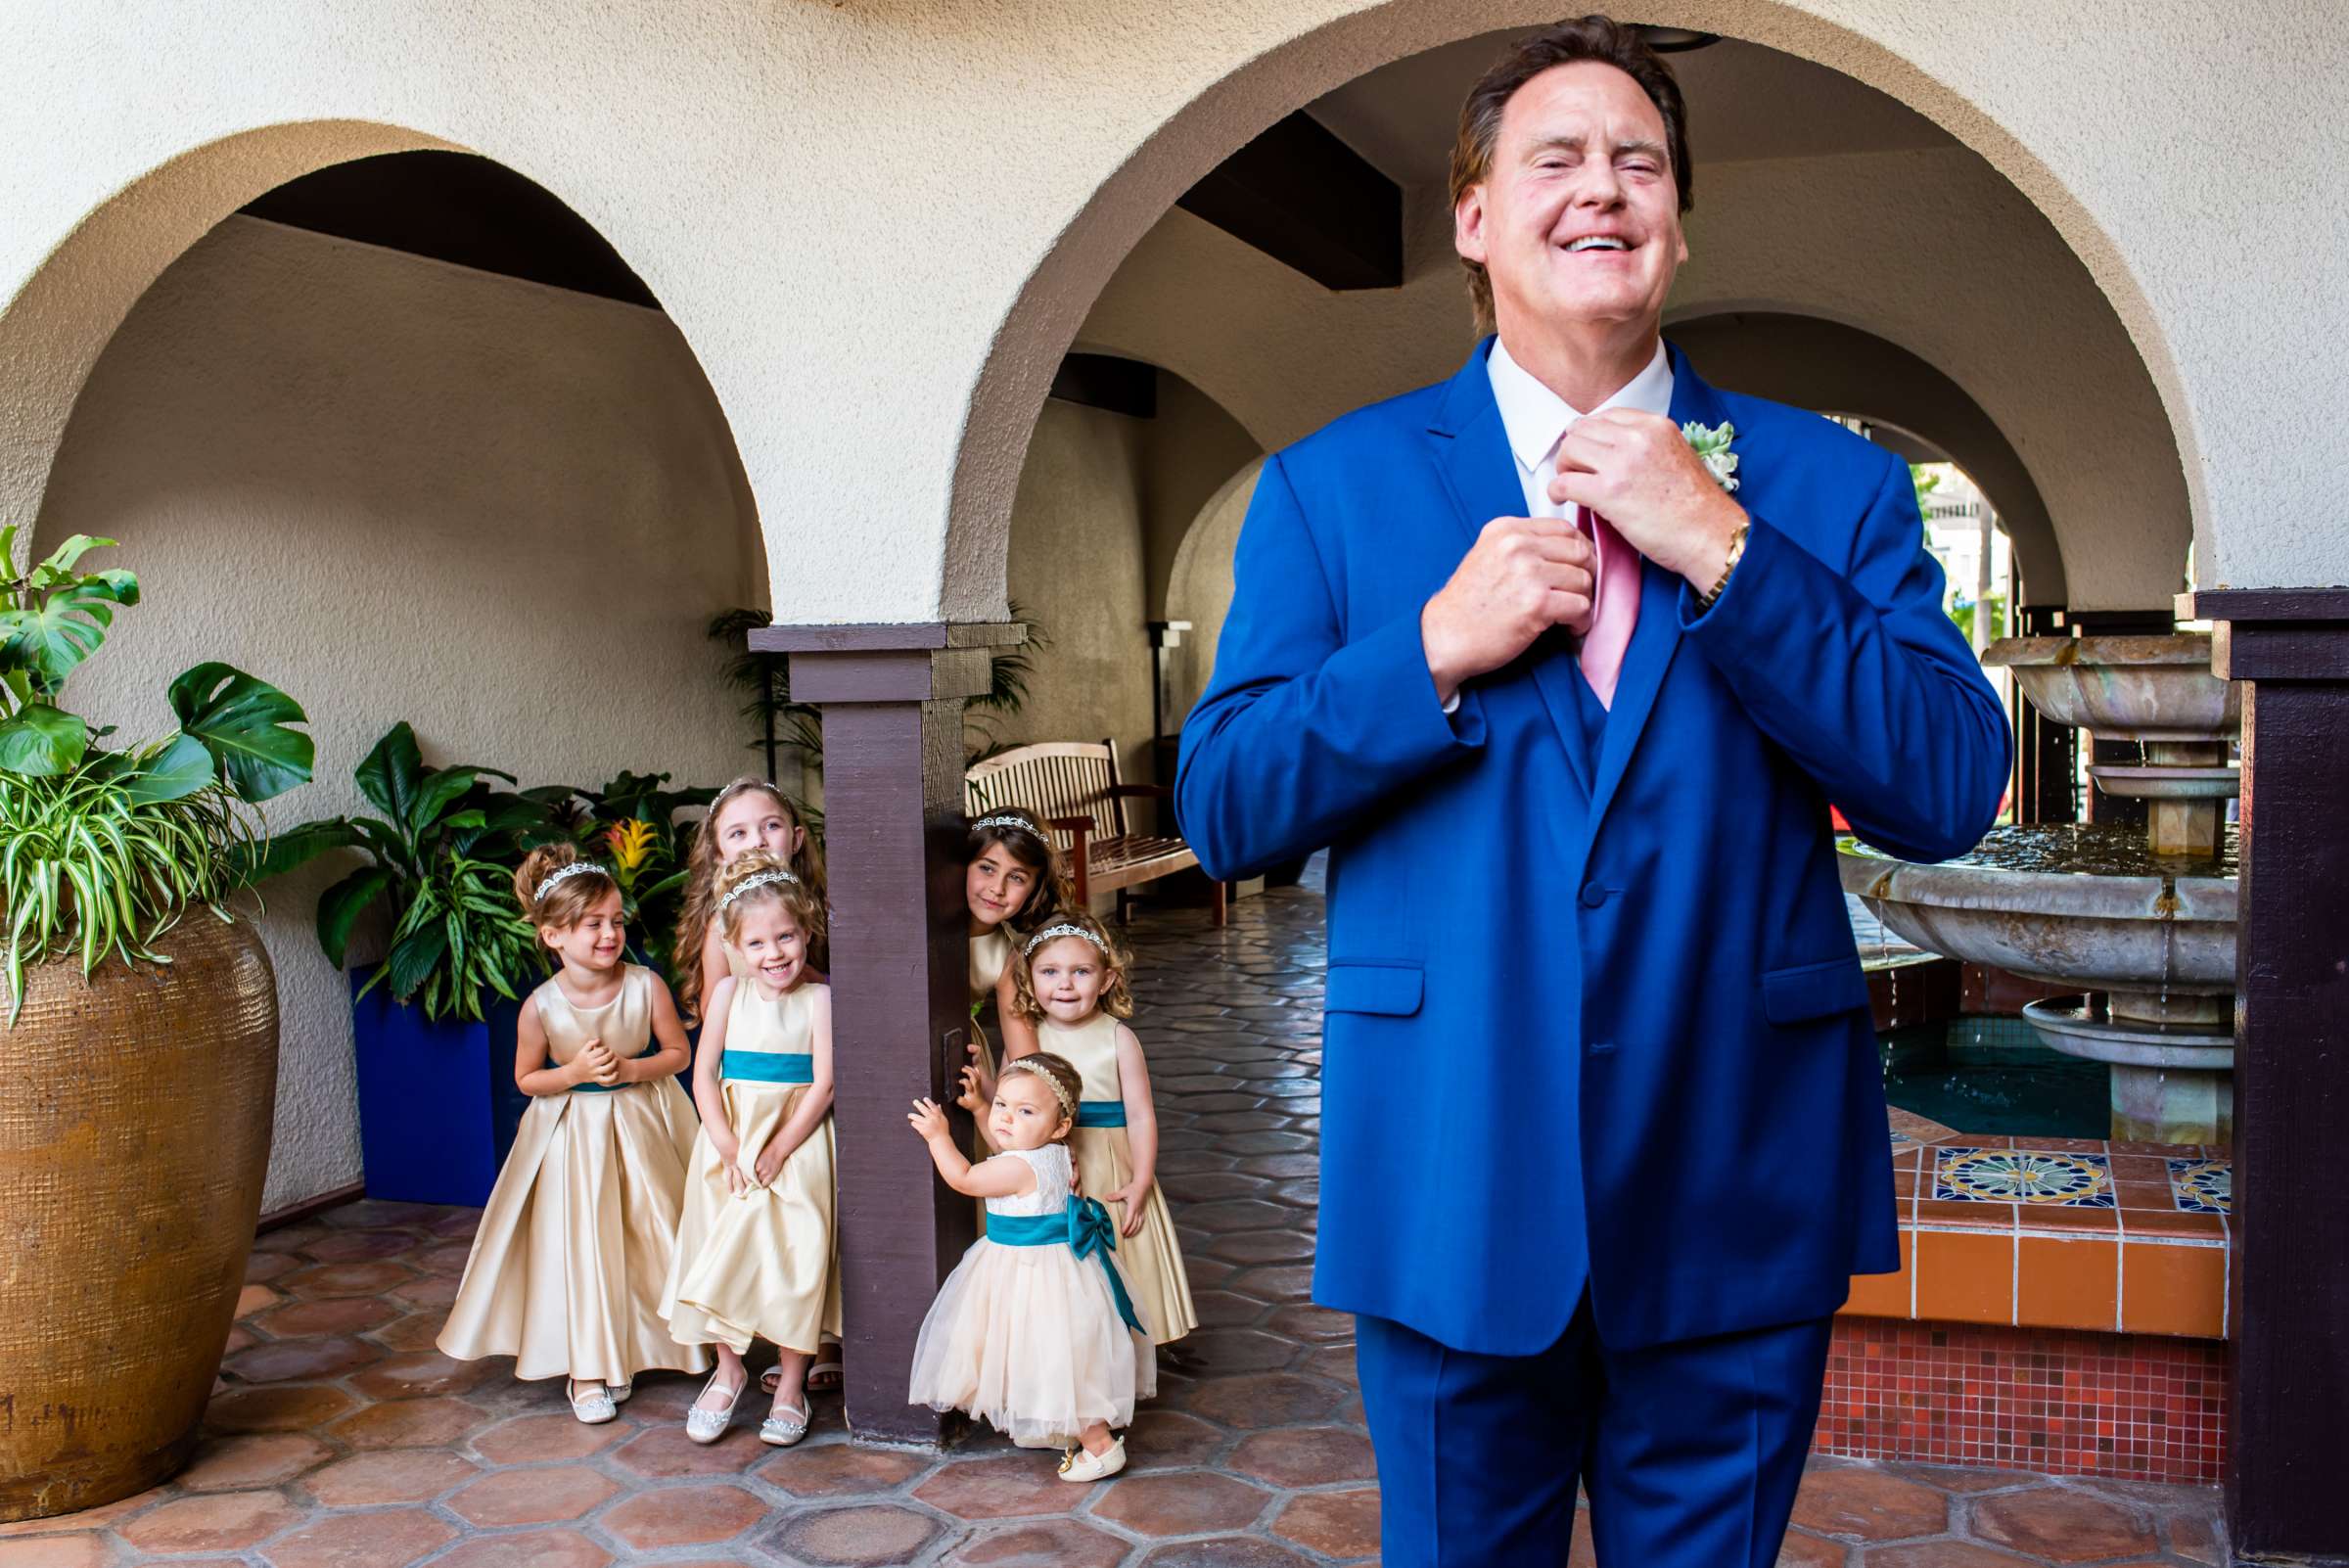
568 1260
1011 882
755 1253
1071 983
1034 1331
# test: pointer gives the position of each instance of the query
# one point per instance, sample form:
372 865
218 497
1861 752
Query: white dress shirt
1535 420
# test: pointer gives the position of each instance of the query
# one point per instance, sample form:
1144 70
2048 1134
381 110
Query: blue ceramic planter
438 1105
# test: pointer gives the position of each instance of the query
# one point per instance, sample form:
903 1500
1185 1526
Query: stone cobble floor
339 1439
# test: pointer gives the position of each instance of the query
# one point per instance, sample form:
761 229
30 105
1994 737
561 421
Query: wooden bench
1075 788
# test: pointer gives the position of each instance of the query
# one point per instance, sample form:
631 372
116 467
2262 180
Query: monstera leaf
63 625
182 767
244 723
41 741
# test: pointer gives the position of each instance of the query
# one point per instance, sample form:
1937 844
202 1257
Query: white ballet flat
707 1426
592 1409
1079 1464
619 1394
781 1431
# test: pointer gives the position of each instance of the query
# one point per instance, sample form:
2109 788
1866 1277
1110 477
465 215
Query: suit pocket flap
1814 991
1374 988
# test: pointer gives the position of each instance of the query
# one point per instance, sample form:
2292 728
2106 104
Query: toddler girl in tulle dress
1034 1331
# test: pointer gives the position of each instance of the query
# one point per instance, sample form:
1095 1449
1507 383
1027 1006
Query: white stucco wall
880 223
398 488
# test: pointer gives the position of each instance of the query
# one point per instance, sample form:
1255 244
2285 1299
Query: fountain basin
2125 688
2054 913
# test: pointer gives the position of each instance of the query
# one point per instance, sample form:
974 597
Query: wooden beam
1309 201
2288 1270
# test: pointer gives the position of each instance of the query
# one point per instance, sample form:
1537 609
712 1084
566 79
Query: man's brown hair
1593 37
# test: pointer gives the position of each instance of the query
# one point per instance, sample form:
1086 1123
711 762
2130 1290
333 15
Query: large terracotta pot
134 1134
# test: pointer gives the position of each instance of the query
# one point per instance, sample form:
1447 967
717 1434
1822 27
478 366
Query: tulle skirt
575 1242
1029 1340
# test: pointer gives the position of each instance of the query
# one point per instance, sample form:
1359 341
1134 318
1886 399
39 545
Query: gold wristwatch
1704 601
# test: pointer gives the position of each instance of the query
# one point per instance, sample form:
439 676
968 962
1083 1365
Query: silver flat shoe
592 1409
707 1426
781 1431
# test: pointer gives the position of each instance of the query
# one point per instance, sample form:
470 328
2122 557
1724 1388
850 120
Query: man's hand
1524 576
1639 472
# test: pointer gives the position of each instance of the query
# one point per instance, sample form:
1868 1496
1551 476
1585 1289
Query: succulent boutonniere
1713 447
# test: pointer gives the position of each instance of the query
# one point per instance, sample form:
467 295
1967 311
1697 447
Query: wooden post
2289 1232
892 698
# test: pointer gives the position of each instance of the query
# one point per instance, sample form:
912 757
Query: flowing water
2087 849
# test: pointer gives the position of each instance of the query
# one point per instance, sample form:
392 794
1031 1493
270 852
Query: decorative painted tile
2203 1186
2022 1176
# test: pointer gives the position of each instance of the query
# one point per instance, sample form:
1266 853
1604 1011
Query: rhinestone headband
764 879
577 868
1020 823
1029 1064
1050 932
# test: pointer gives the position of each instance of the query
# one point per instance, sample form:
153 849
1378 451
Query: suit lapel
1480 472
1657 637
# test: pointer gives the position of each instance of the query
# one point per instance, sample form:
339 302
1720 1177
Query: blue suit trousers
1691 1451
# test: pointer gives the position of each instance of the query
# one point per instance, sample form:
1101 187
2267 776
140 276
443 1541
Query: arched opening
403 435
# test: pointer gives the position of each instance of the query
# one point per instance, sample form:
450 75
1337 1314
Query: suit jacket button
1594 895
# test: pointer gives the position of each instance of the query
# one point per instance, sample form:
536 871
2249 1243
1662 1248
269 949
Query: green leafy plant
631 826
441 856
103 849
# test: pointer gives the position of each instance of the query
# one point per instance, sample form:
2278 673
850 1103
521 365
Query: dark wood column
2289 1273
893 698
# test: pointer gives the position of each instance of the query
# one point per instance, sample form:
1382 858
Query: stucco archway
401 487
1210 125
1826 365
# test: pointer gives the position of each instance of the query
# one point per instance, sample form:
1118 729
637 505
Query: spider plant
103 849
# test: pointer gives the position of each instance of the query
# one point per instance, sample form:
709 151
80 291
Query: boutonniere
1712 447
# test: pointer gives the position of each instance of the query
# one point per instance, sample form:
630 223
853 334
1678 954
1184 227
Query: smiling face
998 885
1577 220
594 941
772 943
1027 1114
756 820
1068 975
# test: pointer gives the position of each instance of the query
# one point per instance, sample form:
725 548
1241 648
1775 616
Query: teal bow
1090 1231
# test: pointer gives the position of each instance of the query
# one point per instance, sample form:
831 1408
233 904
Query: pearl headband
577 868
1050 932
1029 1064
763 880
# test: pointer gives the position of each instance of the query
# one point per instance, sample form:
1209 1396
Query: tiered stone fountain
2141 919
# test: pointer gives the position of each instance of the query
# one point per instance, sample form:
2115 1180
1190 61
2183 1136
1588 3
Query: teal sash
1100 1112
768 1067
1084 1228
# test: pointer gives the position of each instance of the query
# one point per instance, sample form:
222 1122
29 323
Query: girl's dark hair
1030 842
1117 996
568 899
1594 38
702 890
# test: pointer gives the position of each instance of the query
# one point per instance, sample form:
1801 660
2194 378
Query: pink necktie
1614 601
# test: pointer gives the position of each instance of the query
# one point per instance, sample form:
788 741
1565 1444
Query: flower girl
1033 1331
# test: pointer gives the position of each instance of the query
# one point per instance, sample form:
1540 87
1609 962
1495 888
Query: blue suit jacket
1591 1018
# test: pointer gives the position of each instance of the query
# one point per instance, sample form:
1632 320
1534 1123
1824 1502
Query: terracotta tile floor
341 1440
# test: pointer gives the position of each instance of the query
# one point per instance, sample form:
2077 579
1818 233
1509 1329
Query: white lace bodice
1053 1179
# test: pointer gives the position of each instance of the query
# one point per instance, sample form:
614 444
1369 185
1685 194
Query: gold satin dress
764 1264
1150 1259
577 1240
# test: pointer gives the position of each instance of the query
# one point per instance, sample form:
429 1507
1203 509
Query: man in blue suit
1603 1131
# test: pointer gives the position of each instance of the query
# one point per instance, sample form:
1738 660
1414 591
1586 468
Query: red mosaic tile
2136 1407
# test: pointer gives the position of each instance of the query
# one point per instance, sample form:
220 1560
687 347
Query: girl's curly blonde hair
701 888
1117 998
